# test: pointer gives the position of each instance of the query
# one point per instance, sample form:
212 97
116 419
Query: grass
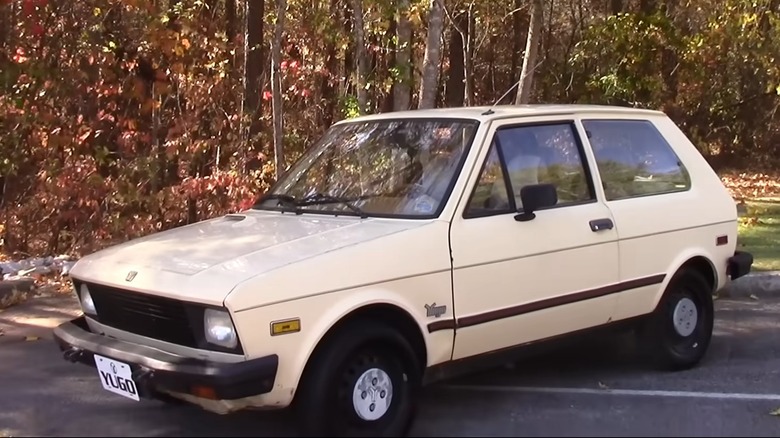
759 232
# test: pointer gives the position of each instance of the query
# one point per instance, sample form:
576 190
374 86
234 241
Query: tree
403 59
276 81
360 56
429 84
525 88
253 63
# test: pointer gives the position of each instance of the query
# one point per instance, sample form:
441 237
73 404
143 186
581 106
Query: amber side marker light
285 327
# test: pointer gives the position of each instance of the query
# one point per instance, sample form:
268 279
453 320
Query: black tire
324 402
671 348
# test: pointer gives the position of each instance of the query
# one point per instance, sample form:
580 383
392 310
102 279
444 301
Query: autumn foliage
123 117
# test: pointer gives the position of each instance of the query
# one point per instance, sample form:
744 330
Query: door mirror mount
534 197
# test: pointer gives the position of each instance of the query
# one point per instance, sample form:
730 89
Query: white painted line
630 392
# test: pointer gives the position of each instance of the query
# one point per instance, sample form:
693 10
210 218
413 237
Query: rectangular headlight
219 328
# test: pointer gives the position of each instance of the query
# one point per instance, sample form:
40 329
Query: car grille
147 315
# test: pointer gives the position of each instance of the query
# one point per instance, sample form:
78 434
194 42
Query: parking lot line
609 391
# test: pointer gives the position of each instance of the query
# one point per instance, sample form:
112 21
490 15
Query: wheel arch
388 313
698 262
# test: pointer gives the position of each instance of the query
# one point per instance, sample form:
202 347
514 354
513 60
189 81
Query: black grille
147 315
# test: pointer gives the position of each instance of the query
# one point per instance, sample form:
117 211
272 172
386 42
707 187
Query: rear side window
634 159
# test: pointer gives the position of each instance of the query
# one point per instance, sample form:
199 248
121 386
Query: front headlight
87 305
219 328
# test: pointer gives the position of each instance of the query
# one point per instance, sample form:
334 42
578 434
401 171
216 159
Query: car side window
526 155
634 159
490 195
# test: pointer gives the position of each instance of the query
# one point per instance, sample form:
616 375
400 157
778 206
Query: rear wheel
679 332
363 382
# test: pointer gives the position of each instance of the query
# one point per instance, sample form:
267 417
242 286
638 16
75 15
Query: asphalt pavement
600 387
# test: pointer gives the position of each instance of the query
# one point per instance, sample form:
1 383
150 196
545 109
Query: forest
119 118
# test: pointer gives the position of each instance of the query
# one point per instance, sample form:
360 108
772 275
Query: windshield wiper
319 199
284 200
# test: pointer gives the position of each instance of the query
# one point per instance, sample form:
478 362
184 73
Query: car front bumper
156 372
739 264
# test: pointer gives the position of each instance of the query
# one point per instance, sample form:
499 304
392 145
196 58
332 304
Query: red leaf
28 7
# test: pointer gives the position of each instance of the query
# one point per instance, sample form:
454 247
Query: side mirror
534 197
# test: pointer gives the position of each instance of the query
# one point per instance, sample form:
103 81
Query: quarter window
527 155
634 159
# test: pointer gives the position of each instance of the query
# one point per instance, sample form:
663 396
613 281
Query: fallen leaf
31 338
603 386
753 297
776 412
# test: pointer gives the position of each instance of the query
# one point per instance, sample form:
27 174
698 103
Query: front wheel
679 332
363 382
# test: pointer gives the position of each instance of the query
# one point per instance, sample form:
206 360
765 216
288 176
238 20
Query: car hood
219 253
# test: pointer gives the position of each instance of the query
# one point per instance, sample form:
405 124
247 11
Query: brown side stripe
509 312
448 324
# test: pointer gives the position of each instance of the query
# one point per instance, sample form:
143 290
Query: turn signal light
286 326
204 392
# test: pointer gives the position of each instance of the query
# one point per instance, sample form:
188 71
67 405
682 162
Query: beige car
403 248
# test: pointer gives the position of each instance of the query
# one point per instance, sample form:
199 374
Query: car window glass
490 194
532 154
545 154
634 159
391 168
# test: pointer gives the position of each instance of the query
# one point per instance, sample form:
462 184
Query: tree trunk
456 80
6 18
329 89
648 7
361 56
402 91
276 80
616 6
529 60
349 50
230 20
429 86
518 25
468 55
387 66
254 61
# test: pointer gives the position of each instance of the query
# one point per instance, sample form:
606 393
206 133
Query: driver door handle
597 225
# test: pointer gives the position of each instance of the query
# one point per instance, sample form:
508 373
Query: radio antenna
522 76
490 110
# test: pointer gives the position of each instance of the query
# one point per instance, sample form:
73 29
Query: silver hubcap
372 394
685 317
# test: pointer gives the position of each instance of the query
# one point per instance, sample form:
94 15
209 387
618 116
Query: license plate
116 377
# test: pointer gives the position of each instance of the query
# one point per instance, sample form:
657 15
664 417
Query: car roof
487 113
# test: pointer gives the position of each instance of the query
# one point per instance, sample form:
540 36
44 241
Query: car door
648 190
520 281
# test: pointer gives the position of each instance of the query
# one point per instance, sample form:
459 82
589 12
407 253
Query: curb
757 284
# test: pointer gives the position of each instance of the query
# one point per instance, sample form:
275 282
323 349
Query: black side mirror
535 197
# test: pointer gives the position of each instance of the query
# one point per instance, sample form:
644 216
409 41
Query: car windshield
382 168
